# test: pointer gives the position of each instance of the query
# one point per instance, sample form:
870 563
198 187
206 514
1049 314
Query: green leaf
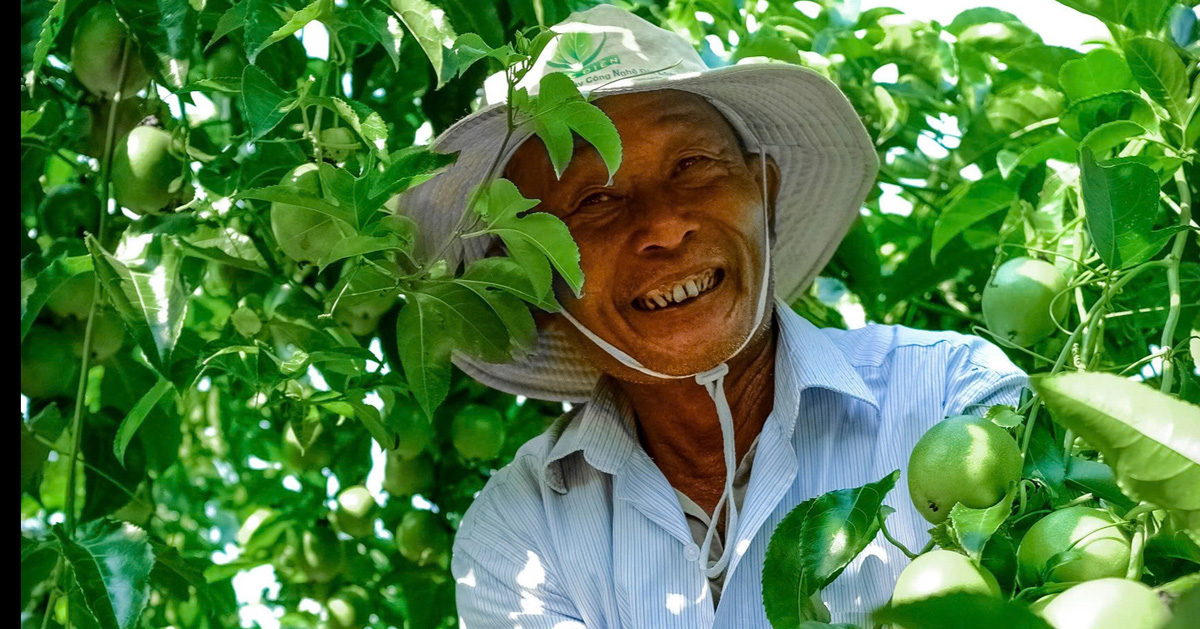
1087 114
433 35
148 295
1110 135
473 324
262 102
408 168
1098 479
50 27
974 527
468 49
500 205
1099 71
134 419
1004 416
1160 72
1150 439
230 21
261 20
289 195
165 31
1044 462
981 200
512 313
507 274
814 543
1122 204
112 563
559 110
351 403
299 20
359 245
385 28
424 345
36 290
960 609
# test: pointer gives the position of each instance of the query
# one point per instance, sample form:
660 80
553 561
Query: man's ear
756 171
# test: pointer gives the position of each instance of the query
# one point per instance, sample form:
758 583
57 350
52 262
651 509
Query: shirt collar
603 429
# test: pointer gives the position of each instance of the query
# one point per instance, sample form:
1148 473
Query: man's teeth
687 289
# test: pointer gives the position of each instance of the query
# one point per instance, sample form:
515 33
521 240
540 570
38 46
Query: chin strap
713 381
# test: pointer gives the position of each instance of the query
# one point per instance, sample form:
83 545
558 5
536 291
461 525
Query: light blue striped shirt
581 529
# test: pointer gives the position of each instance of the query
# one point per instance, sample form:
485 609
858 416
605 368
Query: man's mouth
680 291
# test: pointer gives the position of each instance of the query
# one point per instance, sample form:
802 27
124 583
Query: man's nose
663 228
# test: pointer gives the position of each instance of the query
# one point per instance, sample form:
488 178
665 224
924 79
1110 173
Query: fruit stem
1173 260
1136 548
894 542
105 175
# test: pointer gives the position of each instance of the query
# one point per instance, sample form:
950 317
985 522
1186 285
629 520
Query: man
710 409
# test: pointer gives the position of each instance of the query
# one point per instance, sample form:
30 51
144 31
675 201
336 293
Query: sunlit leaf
1122 205
112 563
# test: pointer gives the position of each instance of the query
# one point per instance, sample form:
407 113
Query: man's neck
678 424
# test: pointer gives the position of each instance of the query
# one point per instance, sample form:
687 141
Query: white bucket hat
801 119
827 165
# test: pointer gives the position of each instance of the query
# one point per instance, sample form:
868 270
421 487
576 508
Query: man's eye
687 162
595 198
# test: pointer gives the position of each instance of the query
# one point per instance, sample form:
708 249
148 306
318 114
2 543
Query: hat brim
801 119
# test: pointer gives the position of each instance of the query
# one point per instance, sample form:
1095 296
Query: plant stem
894 542
105 172
1173 260
1136 548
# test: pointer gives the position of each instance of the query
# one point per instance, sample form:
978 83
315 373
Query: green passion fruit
478 432
368 294
146 175
73 298
49 367
421 538
1017 300
1098 547
414 432
322 555
305 235
1107 604
69 211
963 459
97 51
317 454
108 335
348 609
338 143
405 477
355 515
940 572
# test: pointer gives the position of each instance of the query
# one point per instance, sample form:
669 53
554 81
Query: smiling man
707 408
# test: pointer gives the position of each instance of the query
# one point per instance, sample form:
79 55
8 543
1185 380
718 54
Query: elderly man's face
684 207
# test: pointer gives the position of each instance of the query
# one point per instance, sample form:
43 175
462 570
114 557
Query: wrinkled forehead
636 115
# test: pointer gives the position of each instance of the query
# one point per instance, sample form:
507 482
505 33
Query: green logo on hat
577 52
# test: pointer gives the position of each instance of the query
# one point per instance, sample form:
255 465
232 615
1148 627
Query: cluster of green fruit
477 433
973 462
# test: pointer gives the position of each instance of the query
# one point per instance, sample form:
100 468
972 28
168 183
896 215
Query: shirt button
692 552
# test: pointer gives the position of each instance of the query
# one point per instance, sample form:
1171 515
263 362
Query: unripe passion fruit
1107 604
421 538
478 432
405 477
1017 300
48 364
348 609
1099 548
97 50
305 235
73 298
338 143
414 433
355 514
108 334
146 176
317 455
368 294
321 554
70 210
962 459
940 572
